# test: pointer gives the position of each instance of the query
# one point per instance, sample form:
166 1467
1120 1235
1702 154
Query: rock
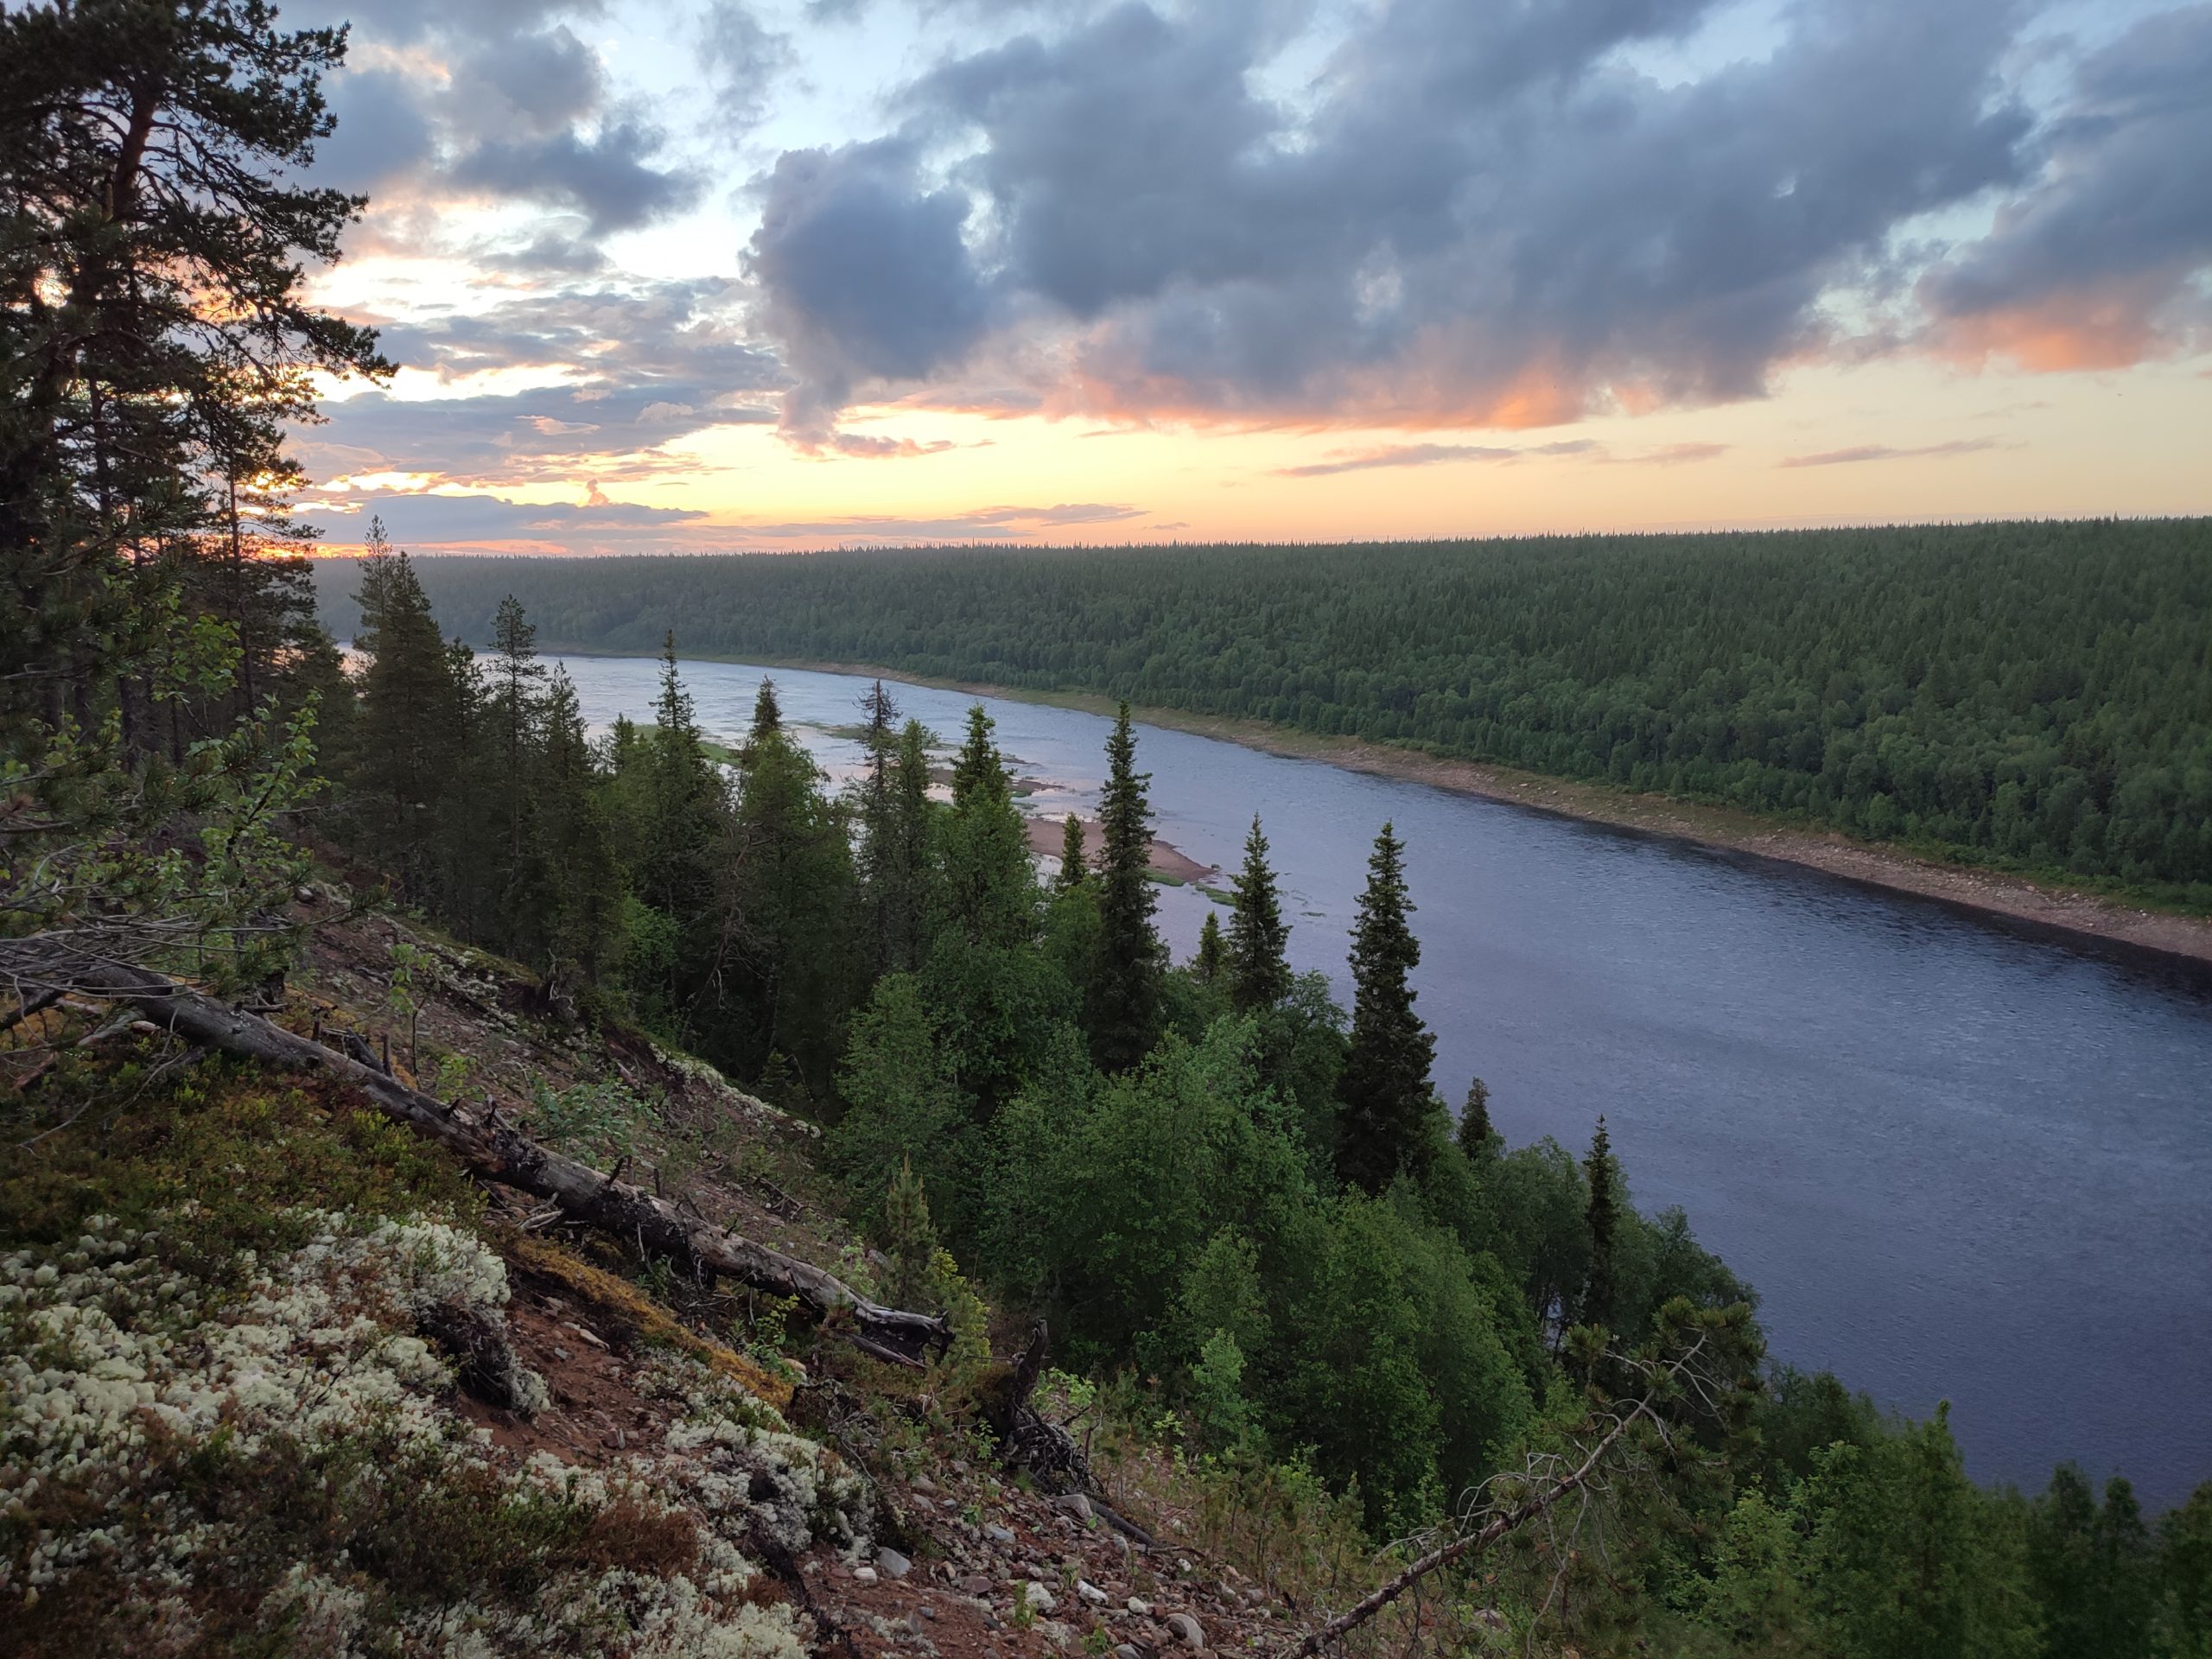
926 1611
895 1565
1090 1593
1185 1630
1077 1504
923 1484
1038 1598
1140 1607
990 1619
865 1574
974 1584
998 1535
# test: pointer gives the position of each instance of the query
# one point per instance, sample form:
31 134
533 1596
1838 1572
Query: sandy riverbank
1046 836
2038 903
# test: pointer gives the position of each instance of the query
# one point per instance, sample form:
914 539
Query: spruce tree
1476 1138
1125 993
578 845
989 881
767 711
516 671
910 1241
1600 1219
411 716
908 879
1072 869
878 824
1383 1093
1208 963
1259 965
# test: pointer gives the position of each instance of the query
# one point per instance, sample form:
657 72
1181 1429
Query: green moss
221 1153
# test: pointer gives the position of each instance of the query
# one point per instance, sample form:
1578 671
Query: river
1958 1160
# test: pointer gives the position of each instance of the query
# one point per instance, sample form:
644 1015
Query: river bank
2038 904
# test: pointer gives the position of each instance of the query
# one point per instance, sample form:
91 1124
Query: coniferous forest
2038 695
1266 1251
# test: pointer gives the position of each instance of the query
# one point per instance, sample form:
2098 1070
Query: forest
1246 1214
2031 696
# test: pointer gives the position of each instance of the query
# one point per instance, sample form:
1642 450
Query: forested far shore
2028 695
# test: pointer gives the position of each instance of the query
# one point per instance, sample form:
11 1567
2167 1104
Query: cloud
1430 454
1472 217
1884 452
2095 265
744 60
604 176
983 524
863 275
1672 454
876 449
433 521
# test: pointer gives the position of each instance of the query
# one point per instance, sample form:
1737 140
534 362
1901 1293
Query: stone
974 1584
1077 1504
1186 1629
998 1535
865 1574
923 1484
1090 1593
1126 1651
1140 1607
1038 1598
893 1564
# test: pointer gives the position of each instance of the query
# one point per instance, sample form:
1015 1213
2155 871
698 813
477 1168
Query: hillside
283 1377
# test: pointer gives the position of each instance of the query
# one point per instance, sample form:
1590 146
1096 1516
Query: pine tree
1208 963
1072 869
1125 994
1476 1138
1259 965
1600 1219
1384 1091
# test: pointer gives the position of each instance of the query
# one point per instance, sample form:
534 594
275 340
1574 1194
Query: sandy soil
2037 904
1046 835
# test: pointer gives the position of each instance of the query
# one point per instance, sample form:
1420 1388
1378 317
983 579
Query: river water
1957 1159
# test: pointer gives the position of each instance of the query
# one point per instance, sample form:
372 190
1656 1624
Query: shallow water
1959 1161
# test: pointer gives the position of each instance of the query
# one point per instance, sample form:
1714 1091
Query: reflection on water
1958 1160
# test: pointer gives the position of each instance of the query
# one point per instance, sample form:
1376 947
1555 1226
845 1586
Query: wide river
1957 1160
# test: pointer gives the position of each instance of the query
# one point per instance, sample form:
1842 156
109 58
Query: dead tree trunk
490 1148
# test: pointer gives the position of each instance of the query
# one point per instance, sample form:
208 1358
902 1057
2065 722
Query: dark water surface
1958 1161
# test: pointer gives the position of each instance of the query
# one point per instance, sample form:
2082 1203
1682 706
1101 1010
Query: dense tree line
2037 695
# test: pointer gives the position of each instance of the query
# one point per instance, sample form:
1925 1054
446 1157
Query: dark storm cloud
2093 266
863 274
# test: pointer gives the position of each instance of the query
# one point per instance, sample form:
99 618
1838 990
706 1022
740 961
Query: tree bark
489 1148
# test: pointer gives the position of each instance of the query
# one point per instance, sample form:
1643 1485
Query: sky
762 275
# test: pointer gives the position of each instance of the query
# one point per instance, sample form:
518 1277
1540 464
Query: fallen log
490 1148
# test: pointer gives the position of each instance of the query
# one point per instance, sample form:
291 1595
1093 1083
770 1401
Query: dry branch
1472 1540
490 1148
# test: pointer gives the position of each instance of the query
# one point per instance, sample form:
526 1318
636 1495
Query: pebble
1126 1651
895 1565
1140 1607
865 1574
974 1584
1076 1505
998 1535
1186 1629
1090 1593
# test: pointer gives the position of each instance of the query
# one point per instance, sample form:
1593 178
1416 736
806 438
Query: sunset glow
750 276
